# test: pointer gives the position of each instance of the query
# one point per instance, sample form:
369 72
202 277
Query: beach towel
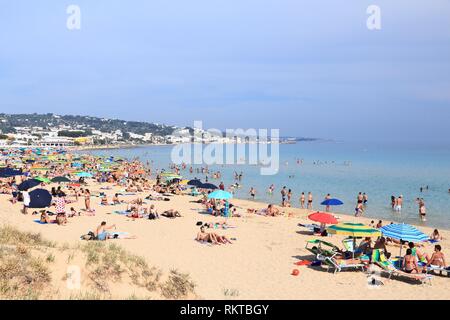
123 212
39 221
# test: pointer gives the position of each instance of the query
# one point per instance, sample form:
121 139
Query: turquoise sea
341 169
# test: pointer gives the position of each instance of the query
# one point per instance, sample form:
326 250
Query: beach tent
28 184
40 198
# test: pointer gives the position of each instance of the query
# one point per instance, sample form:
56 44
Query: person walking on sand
26 201
310 200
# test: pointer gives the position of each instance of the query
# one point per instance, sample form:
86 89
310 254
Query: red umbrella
323 217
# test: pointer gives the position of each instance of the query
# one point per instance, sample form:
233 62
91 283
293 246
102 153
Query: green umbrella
42 179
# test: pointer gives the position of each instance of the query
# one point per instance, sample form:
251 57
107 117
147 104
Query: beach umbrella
184 182
194 182
40 198
323 217
208 186
332 202
42 179
9 172
220 194
404 232
60 179
354 230
84 175
31 183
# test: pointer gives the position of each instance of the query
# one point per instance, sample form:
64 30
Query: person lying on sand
211 237
171 214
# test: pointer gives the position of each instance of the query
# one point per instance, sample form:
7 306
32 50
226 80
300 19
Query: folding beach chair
320 247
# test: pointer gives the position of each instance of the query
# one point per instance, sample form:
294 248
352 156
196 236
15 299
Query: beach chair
434 269
320 247
340 264
388 266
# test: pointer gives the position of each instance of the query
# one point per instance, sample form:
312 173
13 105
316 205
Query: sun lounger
340 264
389 267
320 247
433 268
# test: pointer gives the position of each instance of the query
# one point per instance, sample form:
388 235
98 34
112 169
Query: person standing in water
252 193
302 200
283 195
365 198
399 203
310 200
327 197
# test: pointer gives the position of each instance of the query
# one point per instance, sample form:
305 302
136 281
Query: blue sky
309 68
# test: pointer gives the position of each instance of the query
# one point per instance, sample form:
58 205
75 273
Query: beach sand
257 265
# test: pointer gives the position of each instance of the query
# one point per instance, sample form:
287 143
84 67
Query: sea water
343 170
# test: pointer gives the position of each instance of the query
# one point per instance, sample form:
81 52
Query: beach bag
151 216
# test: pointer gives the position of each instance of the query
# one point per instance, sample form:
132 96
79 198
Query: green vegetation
27 270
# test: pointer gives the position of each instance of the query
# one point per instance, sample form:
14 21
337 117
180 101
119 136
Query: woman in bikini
410 262
437 259
87 200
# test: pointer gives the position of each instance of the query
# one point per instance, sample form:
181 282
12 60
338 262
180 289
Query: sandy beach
257 265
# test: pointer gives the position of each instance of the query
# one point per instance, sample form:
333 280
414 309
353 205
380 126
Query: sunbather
171 214
437 259
410 264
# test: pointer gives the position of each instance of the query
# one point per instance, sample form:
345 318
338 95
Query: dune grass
24 273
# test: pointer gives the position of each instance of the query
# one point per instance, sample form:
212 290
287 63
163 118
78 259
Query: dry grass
27 260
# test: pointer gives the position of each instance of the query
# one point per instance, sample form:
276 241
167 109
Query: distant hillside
9 121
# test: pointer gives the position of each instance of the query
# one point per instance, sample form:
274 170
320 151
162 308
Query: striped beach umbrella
405 232
354 230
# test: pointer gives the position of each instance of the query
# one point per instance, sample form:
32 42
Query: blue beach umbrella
9 172
220 194
84 175
31 183
40 198
404 232
208 186
194 182
332 202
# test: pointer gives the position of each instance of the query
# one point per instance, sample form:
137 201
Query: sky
308 68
